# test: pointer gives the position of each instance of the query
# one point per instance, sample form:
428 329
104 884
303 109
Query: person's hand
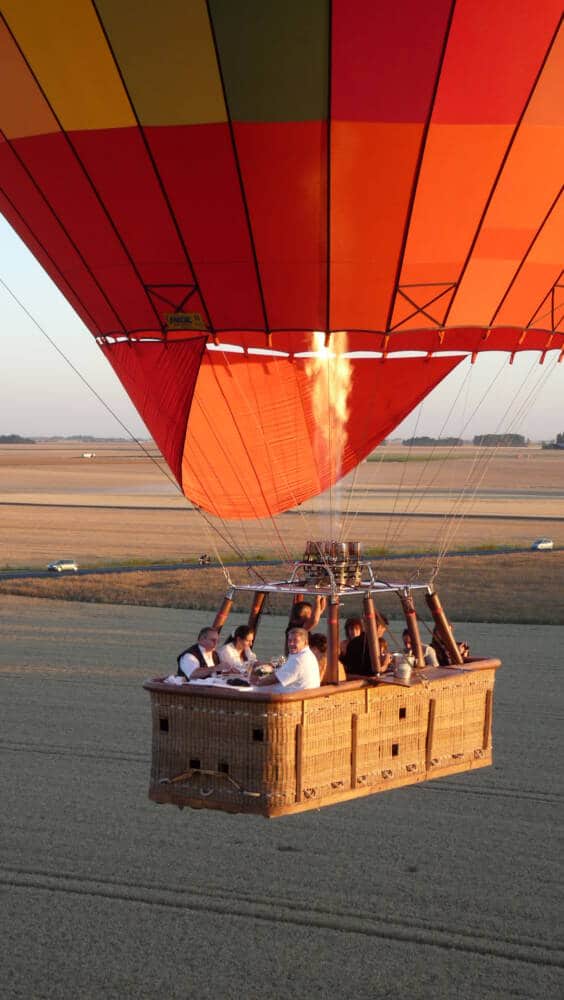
385 661
200 673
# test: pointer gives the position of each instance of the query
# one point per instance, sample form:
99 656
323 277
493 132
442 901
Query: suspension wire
481 464
226 532
457 500
330 437
353 517
417 494
451 450
162 469
286 556
238 388
89 386
346 513
196 449
443 464
523 408
403 474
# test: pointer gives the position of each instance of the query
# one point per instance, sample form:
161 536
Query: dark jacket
357 657
197 652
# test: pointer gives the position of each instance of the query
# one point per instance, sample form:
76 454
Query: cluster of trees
15 439
428 442
557 443
505 440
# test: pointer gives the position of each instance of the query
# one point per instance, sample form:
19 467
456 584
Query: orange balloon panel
265 435
191 173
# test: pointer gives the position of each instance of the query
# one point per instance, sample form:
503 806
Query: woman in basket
236 656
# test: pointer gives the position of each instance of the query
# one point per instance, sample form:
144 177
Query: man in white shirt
201 659
299 672
429 653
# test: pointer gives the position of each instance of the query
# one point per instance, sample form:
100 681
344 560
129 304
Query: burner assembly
327 562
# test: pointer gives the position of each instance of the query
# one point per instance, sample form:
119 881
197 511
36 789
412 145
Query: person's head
243 637
353 627
318 645
301 611
208 638
406 636
297 640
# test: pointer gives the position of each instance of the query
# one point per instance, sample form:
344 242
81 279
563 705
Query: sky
40 394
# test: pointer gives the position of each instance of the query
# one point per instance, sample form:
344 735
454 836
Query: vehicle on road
63 566
542 544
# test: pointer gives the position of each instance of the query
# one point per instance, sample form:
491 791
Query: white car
63 566
541 544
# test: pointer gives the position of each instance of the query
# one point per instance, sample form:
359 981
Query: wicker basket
272 754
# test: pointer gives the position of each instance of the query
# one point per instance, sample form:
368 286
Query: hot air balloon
285 224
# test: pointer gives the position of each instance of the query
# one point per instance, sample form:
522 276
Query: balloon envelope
378 185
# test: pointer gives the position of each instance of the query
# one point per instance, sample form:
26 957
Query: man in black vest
200 659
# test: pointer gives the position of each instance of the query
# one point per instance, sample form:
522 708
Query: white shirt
300 671
188 662
229 657
430 656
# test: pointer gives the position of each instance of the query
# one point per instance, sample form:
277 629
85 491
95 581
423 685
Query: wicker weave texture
284 756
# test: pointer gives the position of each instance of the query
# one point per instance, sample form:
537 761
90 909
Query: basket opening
223 767
258 735
403 712
163 725
194 764
395 749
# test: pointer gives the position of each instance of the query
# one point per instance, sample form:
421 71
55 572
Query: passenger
357 659
441 651
353 627
318 646
237 655
201 659
299 672
305 615
464 650
429 654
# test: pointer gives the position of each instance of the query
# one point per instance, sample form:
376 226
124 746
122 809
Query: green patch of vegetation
412 457
15 439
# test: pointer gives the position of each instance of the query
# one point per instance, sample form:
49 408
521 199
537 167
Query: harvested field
446 890
120 507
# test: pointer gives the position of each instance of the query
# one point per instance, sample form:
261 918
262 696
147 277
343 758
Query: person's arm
190 667
187 664
201 672
265 680
385 660
318 609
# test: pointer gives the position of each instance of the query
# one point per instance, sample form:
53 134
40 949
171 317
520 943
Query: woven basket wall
281 755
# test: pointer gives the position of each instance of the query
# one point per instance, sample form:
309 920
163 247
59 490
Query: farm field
121 506
446 889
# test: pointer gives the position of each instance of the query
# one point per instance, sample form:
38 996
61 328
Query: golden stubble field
121 507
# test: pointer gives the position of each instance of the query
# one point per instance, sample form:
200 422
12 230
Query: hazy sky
41 395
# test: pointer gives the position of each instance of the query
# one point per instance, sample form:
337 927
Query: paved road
34 574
